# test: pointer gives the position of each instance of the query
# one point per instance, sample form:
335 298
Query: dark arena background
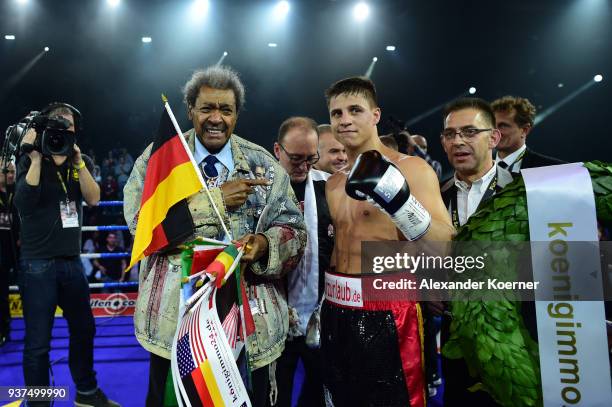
113 59
548 51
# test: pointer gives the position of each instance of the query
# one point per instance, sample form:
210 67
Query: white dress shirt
513 165
469 196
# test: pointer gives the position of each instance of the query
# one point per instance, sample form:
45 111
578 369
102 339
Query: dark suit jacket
448 189
532 159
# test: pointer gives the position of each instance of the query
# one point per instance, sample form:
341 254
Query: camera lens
56 142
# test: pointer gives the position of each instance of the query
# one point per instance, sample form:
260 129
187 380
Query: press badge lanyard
64 187
68 211
488 194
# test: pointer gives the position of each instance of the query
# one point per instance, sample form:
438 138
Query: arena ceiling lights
361 11
281 10
199 8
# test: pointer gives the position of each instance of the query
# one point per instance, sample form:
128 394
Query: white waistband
346 291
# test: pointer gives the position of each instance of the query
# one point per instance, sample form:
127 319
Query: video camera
52 134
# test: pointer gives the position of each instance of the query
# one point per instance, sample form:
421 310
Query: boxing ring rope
126 284
91 256
106 203
103 204
103 228
105 255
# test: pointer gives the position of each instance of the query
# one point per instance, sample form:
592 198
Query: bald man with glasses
297 150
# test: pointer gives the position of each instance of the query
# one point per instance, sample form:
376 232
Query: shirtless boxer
372 351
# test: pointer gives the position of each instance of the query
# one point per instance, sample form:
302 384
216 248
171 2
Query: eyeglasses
297 159
466 133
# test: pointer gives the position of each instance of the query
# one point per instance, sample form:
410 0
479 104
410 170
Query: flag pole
182 138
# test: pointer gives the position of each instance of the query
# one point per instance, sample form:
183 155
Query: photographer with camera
53 178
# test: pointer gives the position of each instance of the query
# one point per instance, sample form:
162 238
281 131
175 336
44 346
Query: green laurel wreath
491 335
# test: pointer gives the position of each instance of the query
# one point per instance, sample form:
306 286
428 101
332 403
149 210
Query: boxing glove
375 179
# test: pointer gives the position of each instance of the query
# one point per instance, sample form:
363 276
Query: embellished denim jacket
273 210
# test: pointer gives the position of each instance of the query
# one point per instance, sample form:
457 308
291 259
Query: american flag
185 360
190 348
230 326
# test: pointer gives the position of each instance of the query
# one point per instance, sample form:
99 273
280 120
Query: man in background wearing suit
515 118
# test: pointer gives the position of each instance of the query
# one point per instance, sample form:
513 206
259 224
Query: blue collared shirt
224 156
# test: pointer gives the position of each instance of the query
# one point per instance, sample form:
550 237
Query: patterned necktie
209 169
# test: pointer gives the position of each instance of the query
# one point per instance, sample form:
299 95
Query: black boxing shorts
371 350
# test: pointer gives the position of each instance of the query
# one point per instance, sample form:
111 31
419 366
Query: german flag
172 176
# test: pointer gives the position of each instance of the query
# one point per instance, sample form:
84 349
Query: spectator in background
111 269
111 163
127 157
389 141
91 245
110 192
97 174
92 155
331 152
414 145
121 234
106 168
122 178
110 189
122 167
417 145
515 117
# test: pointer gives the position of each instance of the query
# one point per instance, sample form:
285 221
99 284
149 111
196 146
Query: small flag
222 263
204 256
201 387
205 350
164 218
